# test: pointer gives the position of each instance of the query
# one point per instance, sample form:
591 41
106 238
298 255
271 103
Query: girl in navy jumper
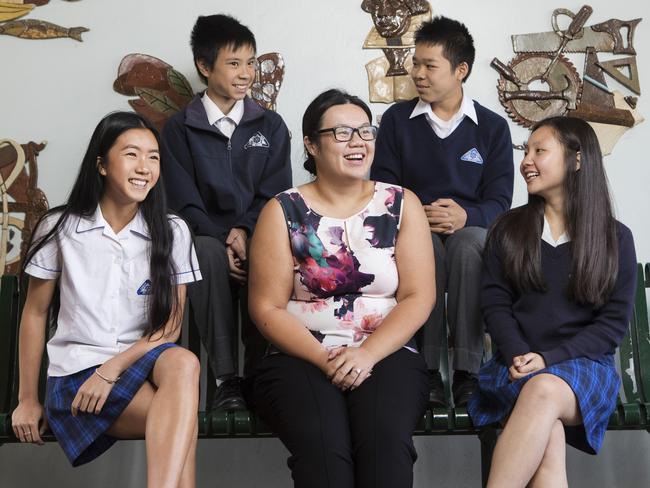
120 264
557 294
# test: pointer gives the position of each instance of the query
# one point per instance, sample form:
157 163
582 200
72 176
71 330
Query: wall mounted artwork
541 81
395 23
23 202
162 91
12 10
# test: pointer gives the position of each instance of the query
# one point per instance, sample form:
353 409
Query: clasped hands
348 367
525 364
445 216
236 251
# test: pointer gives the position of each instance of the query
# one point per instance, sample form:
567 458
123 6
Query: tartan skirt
595 384
84 437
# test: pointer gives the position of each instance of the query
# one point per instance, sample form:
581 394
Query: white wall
57 90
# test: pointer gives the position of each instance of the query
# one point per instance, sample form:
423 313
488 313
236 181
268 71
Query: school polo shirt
104 285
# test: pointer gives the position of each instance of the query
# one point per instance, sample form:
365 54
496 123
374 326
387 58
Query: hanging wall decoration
23 202
12 10
162 91
541 81
395 23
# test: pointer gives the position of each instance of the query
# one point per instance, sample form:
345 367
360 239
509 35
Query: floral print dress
345 275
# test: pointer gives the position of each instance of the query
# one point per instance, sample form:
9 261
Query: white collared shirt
548 237
443 128
226 123
104 285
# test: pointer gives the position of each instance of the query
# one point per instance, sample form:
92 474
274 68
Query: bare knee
543 390
178 366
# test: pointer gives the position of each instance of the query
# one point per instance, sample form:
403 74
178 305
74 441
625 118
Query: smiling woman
339 296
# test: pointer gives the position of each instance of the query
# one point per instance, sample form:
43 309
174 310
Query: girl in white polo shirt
120 265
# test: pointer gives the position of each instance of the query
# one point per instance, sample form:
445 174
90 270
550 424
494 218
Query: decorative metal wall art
23 202
10 10
540 81
162 91
395 23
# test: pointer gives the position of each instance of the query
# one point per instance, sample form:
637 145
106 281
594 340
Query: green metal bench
632 412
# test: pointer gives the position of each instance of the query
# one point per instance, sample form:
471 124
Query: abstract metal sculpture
540 81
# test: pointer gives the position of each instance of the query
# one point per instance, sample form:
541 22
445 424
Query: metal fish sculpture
40 29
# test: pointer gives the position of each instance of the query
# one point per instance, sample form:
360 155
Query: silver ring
358 371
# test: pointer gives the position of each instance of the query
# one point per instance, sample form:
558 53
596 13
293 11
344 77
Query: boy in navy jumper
456 155
224 156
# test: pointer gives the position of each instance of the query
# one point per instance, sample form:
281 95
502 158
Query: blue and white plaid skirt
595 384
84 437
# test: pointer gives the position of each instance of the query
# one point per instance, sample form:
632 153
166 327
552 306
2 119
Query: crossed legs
164 413
531 450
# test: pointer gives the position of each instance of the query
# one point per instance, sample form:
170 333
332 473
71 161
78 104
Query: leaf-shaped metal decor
157 100
179 83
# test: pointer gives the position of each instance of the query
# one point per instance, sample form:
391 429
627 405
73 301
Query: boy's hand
236 240
445 216
236 251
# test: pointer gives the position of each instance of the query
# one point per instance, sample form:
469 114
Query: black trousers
213 304
361 438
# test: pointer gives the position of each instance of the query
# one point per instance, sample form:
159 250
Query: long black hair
311 120
588 216
85 196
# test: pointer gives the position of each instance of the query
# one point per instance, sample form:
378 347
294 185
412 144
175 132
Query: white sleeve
184 261
46 263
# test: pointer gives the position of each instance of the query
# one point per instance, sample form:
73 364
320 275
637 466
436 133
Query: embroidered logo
473 156
257 140
145 288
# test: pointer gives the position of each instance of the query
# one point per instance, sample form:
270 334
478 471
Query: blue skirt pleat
84 437
594 382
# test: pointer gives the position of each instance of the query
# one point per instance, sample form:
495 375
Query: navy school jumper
217 183
473 165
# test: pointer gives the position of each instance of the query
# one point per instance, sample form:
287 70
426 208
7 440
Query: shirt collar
467 108
214 113
96 221
548 237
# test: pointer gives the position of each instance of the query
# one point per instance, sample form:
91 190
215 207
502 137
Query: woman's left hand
353 365
92 394
525 364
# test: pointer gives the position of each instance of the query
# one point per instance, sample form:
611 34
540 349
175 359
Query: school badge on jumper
473 156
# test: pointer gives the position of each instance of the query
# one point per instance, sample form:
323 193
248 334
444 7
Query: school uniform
104 282
220 170
576 341
469 160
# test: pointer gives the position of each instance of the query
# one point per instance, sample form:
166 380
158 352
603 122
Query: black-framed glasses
343 133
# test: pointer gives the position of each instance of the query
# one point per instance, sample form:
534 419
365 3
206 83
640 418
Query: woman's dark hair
213 32
313 117
590 223
84 198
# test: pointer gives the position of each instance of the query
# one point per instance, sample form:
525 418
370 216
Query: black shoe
436 389
463 387
228 396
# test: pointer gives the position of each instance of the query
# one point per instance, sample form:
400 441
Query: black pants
361 438
213 302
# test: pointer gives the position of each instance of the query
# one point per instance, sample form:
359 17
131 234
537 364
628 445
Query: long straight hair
588 215
85 196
